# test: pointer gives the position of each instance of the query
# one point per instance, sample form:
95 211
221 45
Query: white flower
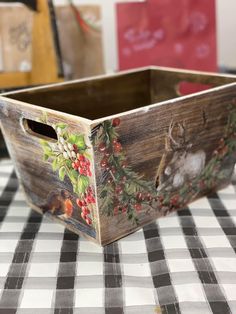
61 140
73 154
54 146
66 147
59 131
65 155
61 148
70 146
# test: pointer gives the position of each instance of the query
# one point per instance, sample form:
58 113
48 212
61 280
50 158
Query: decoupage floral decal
70 157
124 192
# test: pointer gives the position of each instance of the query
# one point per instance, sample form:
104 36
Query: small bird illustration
58 203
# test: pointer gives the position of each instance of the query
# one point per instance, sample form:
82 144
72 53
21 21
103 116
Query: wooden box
107 155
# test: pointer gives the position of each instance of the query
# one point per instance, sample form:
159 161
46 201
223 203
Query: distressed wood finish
155 153
36 176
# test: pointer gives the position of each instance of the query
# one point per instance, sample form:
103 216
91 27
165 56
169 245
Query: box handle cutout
184 88
40 130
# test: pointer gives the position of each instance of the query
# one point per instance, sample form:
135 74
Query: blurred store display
80 39
159 32
29 49
29 46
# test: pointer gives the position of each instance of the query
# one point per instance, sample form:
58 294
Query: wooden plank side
44 165
196 128
165 84
96 98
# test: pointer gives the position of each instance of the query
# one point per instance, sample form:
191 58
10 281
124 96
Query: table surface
183 263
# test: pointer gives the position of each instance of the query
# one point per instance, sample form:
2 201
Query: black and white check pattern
183 263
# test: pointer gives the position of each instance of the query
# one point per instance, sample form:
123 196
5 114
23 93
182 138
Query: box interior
104 96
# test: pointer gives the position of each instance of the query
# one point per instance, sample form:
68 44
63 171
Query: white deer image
178 164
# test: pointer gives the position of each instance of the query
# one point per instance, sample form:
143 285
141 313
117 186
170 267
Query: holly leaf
62 173
45 157
44 143
61 125
73 175
48 151
78 140
72 138
82 184
55 164
68 163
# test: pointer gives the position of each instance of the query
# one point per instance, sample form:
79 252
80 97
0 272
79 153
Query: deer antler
170 142
182 131
162 164
171 127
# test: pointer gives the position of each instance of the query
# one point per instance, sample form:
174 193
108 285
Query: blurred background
45 41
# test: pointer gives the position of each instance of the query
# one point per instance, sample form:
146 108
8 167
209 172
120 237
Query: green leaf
130 216
75 188
73 176
82 184
44 143
61 125
47 150
103 194
78 140
86 154
68 163
45 157
62 173
72 138
55 164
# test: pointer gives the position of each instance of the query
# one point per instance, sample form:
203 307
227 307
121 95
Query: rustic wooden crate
107 155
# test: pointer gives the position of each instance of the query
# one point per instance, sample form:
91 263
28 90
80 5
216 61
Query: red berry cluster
116 122
114 147
172 203
169 205
120 202
175 201
82 165
84 203
137 202
201 184
222 149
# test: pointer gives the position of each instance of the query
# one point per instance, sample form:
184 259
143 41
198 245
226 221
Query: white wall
226 27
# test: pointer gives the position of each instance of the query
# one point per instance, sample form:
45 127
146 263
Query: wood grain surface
36 176
142 131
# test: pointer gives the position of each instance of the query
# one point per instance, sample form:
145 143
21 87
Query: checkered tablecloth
184 263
